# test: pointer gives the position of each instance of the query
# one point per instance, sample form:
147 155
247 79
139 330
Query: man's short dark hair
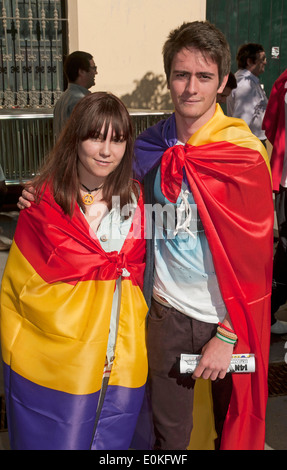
74 62
203 36
248 51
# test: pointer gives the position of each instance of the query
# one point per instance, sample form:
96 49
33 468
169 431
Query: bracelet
227 334
225 327
225 339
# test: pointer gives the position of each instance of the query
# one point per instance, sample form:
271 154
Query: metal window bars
32 43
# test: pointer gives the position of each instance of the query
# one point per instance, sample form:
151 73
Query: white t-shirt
184 271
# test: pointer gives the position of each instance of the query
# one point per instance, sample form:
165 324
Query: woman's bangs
98 121
94 127
120 126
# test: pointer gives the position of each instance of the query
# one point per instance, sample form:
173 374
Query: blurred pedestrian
80 71
248 100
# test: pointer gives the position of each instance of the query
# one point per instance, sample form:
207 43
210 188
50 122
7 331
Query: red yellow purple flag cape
228 172
56 300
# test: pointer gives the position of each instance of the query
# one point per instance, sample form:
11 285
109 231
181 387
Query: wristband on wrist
226 334
225 327
226 340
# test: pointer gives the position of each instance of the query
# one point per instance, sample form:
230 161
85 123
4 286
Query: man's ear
249 63
81 72
223 84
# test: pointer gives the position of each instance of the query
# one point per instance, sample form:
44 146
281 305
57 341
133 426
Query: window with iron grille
32 45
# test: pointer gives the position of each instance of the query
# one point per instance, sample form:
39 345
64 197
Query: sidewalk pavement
276 421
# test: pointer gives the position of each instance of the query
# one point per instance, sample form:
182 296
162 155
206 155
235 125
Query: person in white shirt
249 101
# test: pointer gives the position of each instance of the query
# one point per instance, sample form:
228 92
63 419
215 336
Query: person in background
230 85
72 309
248 101
80 71
208 276
274 124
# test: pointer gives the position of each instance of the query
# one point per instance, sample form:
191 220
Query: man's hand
26 198
216 357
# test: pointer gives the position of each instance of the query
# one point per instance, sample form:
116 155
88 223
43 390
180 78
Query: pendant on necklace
88 199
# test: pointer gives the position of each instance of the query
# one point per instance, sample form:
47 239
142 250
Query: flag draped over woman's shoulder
56 300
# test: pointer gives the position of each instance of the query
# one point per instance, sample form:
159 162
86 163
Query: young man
218 271
248 101
80 71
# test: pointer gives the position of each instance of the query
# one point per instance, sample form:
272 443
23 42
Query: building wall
126 36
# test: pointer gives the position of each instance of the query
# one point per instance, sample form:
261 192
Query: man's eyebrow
180 71
211 74
202 72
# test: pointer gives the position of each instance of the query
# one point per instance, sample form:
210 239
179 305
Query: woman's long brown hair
60 167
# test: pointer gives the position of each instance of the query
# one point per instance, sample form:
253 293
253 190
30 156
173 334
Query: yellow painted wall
126 36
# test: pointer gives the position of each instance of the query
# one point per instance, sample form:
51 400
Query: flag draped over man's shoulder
56 301
227 170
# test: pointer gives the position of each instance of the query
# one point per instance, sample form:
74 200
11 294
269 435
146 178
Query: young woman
72 308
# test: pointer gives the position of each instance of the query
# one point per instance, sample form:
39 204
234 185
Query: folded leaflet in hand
240 363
